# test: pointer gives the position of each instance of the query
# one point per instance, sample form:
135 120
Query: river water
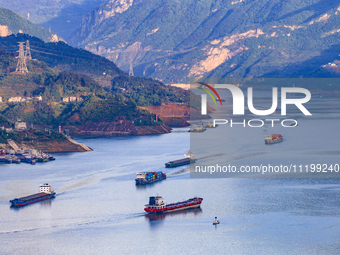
99 210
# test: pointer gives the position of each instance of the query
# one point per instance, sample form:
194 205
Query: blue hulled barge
149 177
45 192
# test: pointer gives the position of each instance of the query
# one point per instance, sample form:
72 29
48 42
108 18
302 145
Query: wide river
99 210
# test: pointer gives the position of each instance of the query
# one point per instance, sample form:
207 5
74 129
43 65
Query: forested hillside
58 72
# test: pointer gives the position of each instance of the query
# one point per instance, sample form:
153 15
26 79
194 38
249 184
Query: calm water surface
99 210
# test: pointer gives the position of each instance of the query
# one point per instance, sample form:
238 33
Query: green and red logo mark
209 93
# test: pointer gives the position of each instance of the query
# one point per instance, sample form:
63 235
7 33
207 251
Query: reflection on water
157 220
46 203
149 185
162 216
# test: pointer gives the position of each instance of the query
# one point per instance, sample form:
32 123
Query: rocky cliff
174 41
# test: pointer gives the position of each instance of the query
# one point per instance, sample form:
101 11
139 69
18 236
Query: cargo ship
149 177
157 205
271 139
45 192
189 158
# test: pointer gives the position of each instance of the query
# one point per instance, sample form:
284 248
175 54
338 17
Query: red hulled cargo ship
157 205
271 139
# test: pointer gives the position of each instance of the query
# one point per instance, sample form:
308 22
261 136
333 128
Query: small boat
222 100
271 139
294 123
50 158
197 129
157 205
216 221
278 109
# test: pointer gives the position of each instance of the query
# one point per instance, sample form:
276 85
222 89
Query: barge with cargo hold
149 177
157 205
189 158
45 192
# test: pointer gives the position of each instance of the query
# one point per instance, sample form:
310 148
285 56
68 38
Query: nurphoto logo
238 103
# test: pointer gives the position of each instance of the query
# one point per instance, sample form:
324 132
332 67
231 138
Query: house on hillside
72 99
20 125
14 99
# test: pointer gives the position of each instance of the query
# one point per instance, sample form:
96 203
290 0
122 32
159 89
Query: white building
14 99
72 99
19 125
39 98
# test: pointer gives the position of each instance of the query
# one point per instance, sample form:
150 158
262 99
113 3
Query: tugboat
157 205
271 139
45 192
189 158
149 177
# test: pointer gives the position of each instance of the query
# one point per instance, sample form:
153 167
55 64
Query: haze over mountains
12 23
174 41
61 16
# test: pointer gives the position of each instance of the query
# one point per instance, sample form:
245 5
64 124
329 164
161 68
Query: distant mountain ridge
175 41
12 23
61 16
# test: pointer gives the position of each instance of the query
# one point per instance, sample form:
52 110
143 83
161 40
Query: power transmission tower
28 50
131 70
21 66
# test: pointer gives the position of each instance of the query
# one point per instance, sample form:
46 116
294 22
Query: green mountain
63 57
12 23
58 71
93 104
62 17
174 41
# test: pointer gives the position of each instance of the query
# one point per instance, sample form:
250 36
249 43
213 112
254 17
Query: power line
28 51
63 55
21 66
131 70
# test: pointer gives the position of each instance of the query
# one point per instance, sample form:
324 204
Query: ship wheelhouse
156 203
